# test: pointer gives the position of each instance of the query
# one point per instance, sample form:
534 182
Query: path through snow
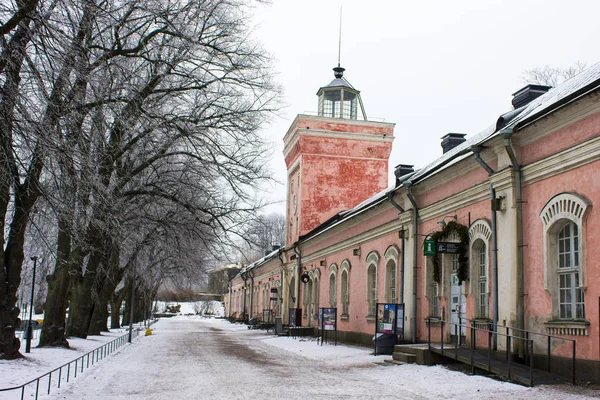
195 358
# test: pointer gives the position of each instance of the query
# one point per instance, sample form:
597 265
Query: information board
386 318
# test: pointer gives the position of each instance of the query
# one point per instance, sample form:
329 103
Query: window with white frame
372 261
480 235
391 270
345 287
570 293
482 281
372 288
391 274
563 218
332 285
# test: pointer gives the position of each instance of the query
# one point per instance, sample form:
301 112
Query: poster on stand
329 319
386 318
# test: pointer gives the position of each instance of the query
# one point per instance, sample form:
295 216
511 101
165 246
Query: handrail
97 354
529 343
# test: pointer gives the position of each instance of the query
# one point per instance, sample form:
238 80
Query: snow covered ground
201 358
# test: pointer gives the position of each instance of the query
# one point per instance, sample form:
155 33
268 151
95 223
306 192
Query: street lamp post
29 325
132 301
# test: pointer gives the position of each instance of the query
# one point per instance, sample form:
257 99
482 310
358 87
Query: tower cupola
339 99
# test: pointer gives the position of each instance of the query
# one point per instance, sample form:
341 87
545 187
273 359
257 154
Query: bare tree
139 114
551 76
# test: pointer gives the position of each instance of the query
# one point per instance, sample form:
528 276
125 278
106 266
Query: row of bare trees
129 134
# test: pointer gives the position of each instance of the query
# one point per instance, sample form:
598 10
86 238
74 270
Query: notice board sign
386 318
328 319
448 247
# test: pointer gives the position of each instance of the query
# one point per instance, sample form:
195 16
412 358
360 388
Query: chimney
527 94
452 140
275 247
402 170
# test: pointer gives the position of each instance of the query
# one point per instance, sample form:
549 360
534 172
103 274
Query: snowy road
188 358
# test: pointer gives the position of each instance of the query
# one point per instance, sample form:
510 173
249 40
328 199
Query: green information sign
429 247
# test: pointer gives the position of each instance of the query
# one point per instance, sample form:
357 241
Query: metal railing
69 370
492 335
548 342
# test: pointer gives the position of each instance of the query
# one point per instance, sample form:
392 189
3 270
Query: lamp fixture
442 223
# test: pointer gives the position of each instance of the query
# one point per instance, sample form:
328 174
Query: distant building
499 231
219 277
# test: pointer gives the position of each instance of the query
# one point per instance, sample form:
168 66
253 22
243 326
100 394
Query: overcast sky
430 67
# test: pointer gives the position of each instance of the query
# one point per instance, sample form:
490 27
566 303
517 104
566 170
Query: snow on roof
586 80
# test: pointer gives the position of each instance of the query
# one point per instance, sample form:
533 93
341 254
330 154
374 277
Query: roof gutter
410 196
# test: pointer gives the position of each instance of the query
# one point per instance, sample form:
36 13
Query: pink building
512 207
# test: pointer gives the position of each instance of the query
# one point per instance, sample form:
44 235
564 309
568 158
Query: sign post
429 247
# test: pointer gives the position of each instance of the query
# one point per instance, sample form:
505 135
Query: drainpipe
229 302
251 275
245 278
299 262
282 295
506 134
399 208
408 186
477 153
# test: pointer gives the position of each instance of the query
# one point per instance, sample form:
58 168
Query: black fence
65 372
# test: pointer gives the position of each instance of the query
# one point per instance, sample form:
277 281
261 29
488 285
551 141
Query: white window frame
391 274
562 210
372 263
480 235
345 268
333 285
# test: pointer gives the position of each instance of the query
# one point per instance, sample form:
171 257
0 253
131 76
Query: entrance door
458 307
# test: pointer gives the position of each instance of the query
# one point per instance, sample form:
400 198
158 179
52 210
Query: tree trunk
55 308
82 302
106 288
115 308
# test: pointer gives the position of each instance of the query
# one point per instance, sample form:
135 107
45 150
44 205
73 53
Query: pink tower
334 160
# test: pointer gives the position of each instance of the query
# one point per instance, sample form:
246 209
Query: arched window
372 261
570 296
332 285
345 289
482 279
391 275
480 235
563 218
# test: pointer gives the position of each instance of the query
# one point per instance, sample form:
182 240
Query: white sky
432 67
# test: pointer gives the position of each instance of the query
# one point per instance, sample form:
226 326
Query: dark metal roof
338 82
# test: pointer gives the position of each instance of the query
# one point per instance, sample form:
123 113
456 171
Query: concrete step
404 357
411 348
